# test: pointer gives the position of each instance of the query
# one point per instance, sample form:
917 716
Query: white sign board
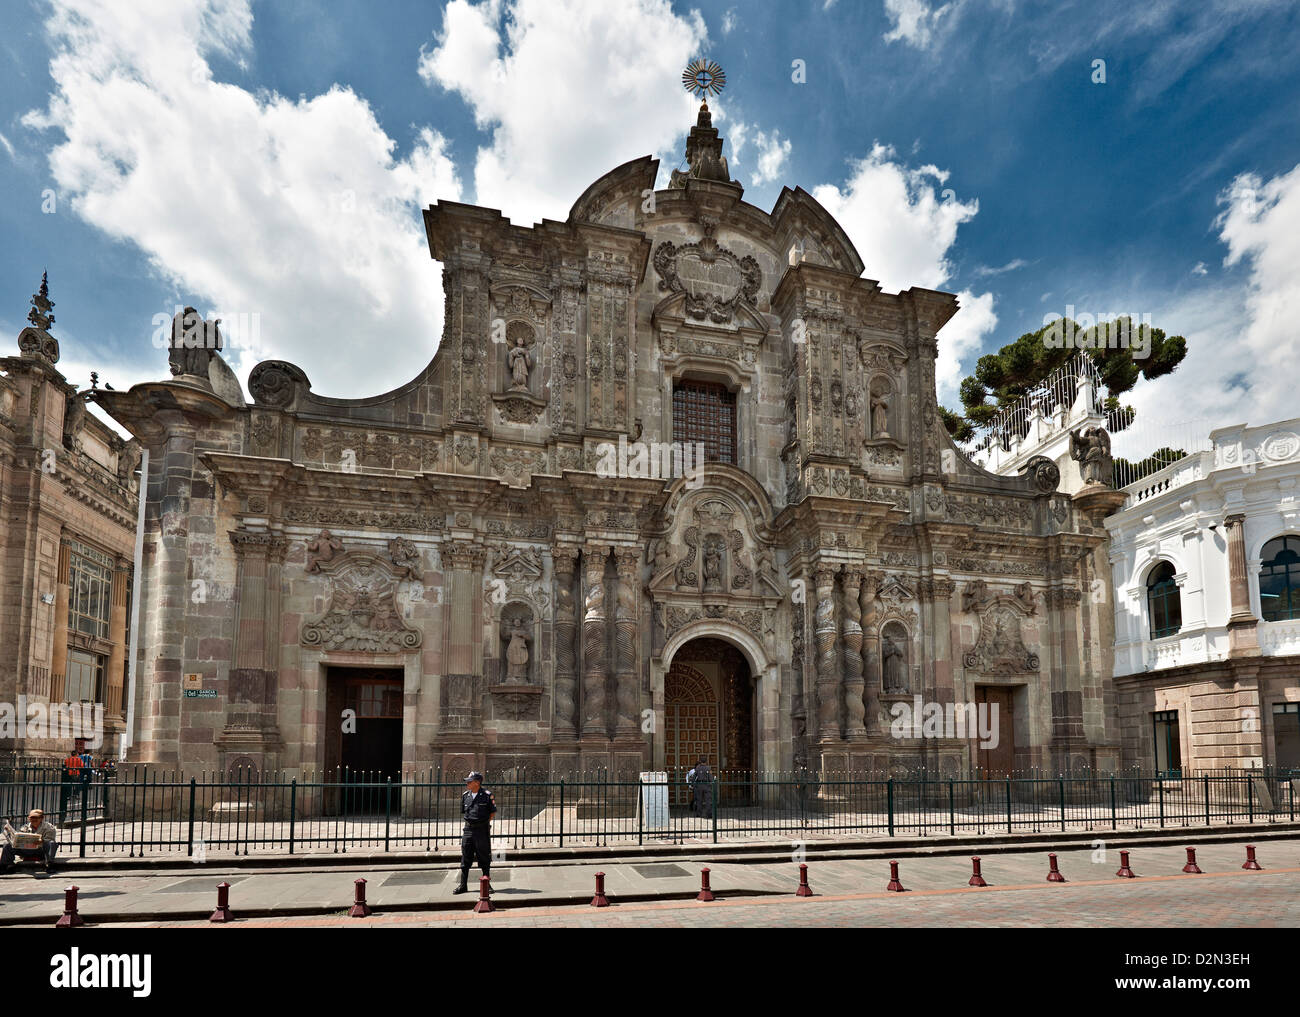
653 803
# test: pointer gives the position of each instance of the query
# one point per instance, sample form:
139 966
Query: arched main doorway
709 710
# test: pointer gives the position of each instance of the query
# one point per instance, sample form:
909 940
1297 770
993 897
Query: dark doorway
709 706
364 749
1000 760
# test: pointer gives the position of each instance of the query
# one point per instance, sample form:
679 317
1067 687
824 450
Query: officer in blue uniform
477 806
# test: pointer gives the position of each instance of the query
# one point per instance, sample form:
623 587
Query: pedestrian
476 839
24 843
703 787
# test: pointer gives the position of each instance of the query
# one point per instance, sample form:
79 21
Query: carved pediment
362 615
714 279
1000 649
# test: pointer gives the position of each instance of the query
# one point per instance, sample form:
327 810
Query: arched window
1279 579
1163 603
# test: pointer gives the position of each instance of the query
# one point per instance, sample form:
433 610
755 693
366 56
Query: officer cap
474 775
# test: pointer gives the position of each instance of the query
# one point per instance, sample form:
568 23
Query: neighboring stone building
68 506
1206 562
453 561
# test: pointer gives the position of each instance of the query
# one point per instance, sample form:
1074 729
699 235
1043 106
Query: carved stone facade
457 536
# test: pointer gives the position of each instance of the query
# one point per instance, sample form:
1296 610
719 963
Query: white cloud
913 21
904 230
8 145
772 152
728 20
1010 266
737 135
1200 269
568 90
254 203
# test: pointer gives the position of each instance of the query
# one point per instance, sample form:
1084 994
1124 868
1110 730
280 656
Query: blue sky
269 161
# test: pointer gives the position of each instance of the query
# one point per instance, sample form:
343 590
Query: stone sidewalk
31 898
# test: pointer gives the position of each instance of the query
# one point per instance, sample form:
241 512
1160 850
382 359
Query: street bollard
1191 865
600 900
1250 862
804 889
360 909
1053 873
894 885
222 914
1124 872
70 919
484 904
705 893
976 879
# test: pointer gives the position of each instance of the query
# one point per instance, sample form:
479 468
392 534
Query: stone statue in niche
880 393
517 652
713 564
520 362
893 654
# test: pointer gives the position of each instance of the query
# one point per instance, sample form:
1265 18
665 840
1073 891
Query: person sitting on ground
36 825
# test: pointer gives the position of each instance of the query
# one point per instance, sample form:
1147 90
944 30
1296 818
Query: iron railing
146 811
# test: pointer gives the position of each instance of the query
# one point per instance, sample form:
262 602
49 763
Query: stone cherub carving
517 652
521 360
323 549
1090 448
406 556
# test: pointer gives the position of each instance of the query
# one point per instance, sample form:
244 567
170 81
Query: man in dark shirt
476 840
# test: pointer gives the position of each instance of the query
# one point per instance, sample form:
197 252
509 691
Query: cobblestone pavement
851 892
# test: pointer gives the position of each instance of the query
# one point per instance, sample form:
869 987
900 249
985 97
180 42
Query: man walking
476 840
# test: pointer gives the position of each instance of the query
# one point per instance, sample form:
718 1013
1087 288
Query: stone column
627 699
565 558
59 652
829 691
116 636
462 682
869 607
1243 640
594 641
854 709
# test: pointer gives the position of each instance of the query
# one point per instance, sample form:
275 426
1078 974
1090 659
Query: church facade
521 559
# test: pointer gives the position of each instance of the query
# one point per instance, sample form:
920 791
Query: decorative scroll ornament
714 279
1001 648
362 615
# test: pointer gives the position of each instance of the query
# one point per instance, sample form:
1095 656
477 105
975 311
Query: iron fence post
1061 781
293 810
1205 780
640 813
1008 804
1160 783
713 807
85 794
189 848
388 810
952 813
561 812
1113 817
1250 801
889 798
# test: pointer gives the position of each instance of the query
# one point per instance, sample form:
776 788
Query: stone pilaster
627 699
117 636
854 684
594 641
1067 684
462 690
565 558
869 608
59 651
829 690
1243 639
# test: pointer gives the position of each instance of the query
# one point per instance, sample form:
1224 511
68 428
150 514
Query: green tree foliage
1157 460
1002 378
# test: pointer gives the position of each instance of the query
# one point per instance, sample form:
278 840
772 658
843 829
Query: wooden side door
1000 760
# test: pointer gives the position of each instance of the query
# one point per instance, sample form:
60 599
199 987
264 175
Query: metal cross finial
703 79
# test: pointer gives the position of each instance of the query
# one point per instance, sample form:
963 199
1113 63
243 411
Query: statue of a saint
895 662
1090 448
517 652
520 362
713 564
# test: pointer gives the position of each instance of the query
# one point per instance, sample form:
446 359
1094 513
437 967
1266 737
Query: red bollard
804 889
600 900
894 885
1250 862
1191 865
1124 872
976 879
222 914
1053 873
360 909
70 919
484 904
705 893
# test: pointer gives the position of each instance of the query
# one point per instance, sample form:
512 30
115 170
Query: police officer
477 806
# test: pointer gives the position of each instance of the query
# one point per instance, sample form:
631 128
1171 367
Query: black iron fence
140 811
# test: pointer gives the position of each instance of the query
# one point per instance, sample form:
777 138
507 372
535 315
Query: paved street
851 892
